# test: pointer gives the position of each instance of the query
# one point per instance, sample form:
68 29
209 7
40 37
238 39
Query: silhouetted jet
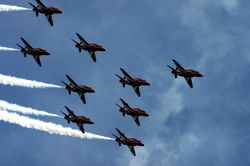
90 47
34 52
79 89
78 120
133 112
47 11
134 82
130 142
186 73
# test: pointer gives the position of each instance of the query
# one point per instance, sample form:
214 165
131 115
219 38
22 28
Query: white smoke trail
7 49
8 8
48 127
13 81
24 110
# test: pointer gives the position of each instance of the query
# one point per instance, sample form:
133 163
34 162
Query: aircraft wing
26 43
70 111
49 18
81 127
178 65
136 119
41 4
37 59
189 81
132 150
126 74
123 136
92 54
125 104
137 90
82 39
82 97
71 81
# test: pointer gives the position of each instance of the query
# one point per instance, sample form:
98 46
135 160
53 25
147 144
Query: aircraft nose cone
147 83
200 75
146 114
90 122
141 144
93 90
60 11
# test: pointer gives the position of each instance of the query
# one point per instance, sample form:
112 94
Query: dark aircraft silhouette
35 52
90 47
186 73
78 120
134 112
47 11
134 82
79 89
130 142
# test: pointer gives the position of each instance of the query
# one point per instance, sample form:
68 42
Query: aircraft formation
81 90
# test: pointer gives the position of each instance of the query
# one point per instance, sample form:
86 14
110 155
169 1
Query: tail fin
34 8
119 106
173 71
22 50
77 45
117 139
67 87
121 79
65 117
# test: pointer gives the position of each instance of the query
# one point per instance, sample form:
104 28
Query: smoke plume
7 49
8 8
24 110
48 127
13 81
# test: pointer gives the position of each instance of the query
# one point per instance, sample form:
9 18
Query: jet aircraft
186 73
134 112
90 47
79 89
134 82
35 52
47 11
78 120
130 142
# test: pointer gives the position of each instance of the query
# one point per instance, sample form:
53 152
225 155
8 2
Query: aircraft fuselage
134 112
83 89
49 10
35 51
135 82
90 47
79 119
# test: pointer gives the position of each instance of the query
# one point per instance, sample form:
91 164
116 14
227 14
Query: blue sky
206 125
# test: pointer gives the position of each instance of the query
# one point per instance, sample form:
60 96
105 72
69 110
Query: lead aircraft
188 74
